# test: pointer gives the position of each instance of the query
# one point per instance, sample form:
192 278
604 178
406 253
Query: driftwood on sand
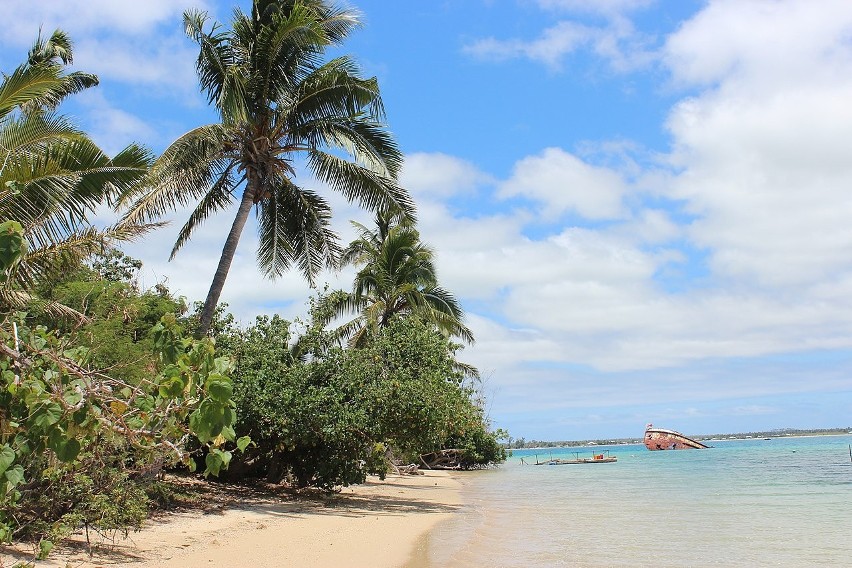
443 459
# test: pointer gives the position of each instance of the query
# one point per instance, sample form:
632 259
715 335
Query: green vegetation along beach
109 388
304 282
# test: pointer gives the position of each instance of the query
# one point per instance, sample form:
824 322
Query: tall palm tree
52 175
279 106
397 279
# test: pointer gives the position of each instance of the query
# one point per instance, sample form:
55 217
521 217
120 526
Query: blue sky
643 206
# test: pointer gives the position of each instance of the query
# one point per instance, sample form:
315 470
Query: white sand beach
378 524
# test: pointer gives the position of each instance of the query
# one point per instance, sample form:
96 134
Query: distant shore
550 445
379 523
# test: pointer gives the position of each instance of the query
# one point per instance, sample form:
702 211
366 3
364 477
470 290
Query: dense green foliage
340 414
79 446
119 318
65 426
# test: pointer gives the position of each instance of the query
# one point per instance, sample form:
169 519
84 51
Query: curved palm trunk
228 252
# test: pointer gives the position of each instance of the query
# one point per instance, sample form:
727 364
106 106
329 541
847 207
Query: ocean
781 502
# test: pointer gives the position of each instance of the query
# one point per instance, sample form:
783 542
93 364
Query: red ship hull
659 439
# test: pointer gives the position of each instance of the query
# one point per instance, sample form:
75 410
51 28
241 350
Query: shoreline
378 523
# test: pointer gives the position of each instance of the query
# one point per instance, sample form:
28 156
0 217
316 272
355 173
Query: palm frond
46 259
182 174
27 84
48 51
466 370
215 65
359 184
295 228
398 279
335 90
11 299
66 181
219 197
44 68
32 133
285 51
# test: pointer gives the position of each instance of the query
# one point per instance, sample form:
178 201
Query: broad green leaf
228 434
44 548
205 422
217 460
172 387
67 450
7 457
81 415
72 397
145 403
223 365
46 415
243 442
214 464
220 389
135 422
14 475
12 244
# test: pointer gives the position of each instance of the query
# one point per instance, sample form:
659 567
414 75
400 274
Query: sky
644 207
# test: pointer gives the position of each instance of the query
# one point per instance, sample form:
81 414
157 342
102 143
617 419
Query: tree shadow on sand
214 498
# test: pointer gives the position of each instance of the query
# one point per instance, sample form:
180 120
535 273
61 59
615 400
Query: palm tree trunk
228 252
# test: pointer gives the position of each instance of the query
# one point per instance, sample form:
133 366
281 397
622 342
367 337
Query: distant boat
596 458
660 439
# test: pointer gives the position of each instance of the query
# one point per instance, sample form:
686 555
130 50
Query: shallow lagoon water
782 502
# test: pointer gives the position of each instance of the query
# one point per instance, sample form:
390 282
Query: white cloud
436 175
88 16
112 128
555 43
167 63
616 40
562 183
764 152
762 42
132 42
652 226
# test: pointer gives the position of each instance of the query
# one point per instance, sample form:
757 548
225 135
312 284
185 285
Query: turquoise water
783 502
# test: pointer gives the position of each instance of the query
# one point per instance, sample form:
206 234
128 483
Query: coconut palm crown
53 177
280 107
397 278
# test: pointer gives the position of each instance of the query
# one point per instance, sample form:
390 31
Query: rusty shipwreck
661 439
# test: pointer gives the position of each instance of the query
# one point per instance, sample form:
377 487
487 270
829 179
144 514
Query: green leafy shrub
326 416
117 332
79 447
299 415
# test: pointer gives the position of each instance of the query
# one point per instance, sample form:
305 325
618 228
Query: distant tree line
521 443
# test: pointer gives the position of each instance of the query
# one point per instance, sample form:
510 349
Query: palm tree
277 103
52 175
398 279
